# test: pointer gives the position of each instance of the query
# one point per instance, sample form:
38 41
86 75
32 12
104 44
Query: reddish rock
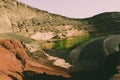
14 62
12 59
4 77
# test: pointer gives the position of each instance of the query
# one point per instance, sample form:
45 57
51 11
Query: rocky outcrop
16 48
14 62
12 59
64 32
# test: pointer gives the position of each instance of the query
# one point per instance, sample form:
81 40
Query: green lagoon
69 43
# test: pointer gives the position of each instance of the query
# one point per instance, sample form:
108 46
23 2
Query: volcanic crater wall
12 59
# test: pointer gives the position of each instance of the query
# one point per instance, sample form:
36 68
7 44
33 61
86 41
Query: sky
75 8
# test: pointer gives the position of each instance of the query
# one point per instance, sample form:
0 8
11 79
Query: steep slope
20 18
36 25
34 50
106 23
14 62
12 59
97 59
31 22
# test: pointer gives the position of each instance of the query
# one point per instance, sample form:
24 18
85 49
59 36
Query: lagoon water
69 43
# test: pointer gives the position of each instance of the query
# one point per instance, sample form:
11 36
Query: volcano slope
16 65
97 58
12 59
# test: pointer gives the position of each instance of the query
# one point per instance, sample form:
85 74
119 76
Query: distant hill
108 23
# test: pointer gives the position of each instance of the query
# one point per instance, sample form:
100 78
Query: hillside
108 23
20 18
31 22
16 65
51 43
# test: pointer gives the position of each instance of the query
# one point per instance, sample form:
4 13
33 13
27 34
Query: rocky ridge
14 62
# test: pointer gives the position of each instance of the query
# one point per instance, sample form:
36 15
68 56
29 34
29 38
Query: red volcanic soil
14 61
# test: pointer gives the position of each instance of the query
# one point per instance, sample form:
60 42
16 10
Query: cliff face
12 59
14 62
23 19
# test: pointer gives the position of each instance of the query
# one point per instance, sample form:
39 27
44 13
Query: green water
70 42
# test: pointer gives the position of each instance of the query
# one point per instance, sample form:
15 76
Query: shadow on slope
30 75
97 59
104 72
107 23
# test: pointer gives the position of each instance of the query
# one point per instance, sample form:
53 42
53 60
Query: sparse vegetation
20 21
26 20
34 20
